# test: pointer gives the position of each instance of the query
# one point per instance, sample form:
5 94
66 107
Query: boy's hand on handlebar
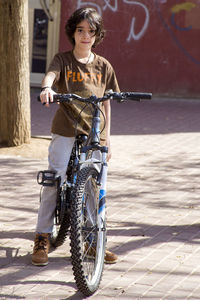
46 96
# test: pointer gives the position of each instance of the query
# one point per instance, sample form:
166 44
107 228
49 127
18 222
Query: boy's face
84 36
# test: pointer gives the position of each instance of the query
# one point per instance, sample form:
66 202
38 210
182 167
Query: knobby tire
59 235
60 231
87 265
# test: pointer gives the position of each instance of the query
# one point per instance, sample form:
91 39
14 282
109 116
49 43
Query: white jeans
59 154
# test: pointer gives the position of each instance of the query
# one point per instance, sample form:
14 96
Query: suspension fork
103 184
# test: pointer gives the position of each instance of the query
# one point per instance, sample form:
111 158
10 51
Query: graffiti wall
153 45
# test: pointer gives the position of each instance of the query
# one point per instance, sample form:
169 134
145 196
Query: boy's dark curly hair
93 18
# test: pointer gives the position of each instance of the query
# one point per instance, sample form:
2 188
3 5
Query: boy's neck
83 56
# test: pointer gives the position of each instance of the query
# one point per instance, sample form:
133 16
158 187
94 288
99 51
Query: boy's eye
92 31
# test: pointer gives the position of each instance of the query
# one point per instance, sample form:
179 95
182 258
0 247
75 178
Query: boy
81 72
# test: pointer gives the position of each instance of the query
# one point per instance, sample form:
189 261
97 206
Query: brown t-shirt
84 80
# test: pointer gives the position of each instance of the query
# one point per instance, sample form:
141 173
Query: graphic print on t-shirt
87 77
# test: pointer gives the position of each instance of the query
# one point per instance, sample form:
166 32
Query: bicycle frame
93 144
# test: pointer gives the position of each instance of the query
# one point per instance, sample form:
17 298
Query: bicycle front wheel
88 232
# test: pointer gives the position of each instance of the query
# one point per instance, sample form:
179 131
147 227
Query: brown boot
41 249
110 257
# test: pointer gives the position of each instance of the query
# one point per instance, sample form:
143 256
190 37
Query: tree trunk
14 73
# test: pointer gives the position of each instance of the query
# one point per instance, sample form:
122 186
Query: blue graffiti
173 36
173 22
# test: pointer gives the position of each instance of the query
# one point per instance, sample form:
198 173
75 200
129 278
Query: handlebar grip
57 98
135 96
138 95
62 98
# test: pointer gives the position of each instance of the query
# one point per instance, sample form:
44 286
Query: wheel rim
92 235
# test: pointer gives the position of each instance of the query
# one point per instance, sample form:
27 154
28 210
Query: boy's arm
47 93
107 108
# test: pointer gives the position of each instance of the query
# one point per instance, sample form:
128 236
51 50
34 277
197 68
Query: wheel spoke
87 238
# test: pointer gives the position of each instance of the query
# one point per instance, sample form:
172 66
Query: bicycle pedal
47 178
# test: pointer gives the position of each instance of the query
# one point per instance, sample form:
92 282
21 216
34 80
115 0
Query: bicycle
80 206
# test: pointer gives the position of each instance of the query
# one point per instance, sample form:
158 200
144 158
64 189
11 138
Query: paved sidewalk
153 211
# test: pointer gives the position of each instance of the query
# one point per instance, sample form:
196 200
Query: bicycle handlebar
135 96
120 97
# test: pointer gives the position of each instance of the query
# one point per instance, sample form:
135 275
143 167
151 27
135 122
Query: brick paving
153 210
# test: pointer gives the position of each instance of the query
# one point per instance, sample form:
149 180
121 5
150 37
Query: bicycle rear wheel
88 232
61 220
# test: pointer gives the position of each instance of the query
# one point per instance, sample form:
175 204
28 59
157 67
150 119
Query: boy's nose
86 34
